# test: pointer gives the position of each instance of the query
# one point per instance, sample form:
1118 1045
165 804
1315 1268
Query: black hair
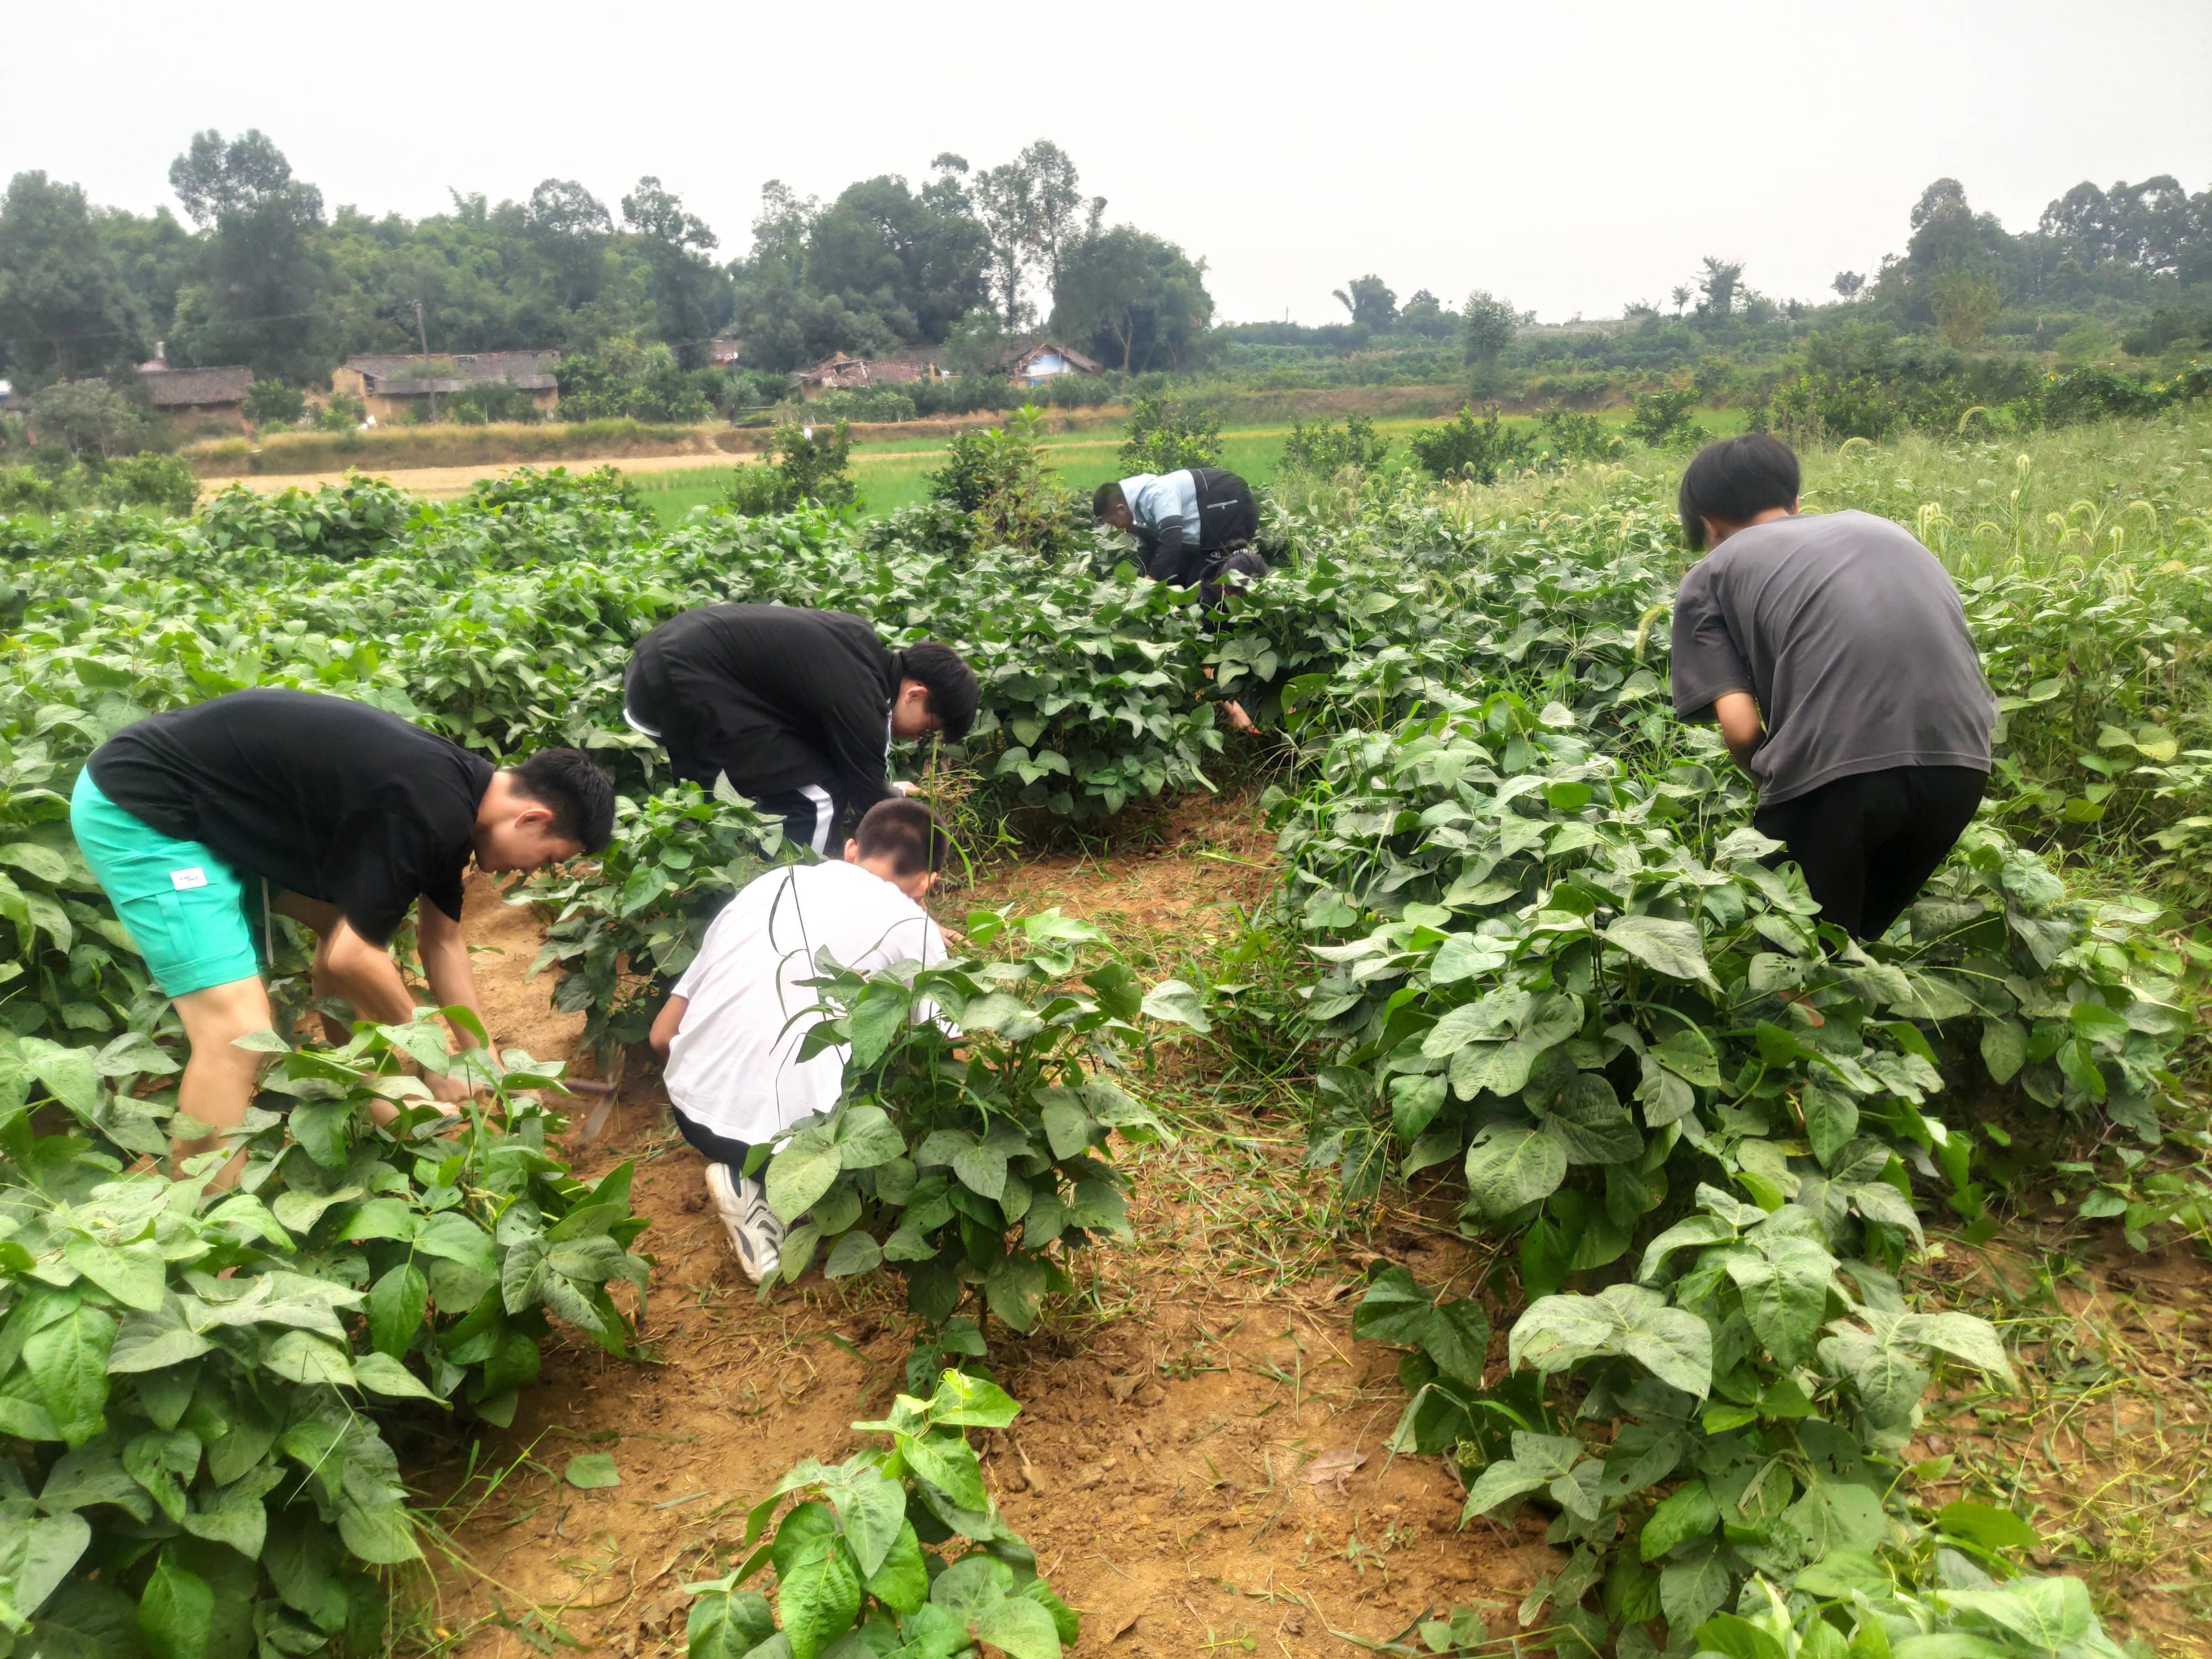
907 833
582 797
951 683
1106 498
1737 480
1243 565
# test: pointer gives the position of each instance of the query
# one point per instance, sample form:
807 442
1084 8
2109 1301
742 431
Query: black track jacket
774 696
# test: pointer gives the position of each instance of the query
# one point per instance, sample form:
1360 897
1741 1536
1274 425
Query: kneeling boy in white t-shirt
731 1030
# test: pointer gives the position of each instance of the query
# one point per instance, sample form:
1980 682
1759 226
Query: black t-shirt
776 696
318 796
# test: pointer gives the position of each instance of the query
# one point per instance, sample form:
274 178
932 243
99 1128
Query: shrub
272 402
1325 450
1662 419
1465 448
953 1138
1168 436
350 520
196 1384
161 482
341 412
1571 438
812 467
481 406
997 477
643 382
851 1571
626 927
880 404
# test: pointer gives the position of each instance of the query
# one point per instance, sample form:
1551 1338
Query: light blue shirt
1158 500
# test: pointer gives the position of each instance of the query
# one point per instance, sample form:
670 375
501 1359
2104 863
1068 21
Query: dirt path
444 482
1173 1467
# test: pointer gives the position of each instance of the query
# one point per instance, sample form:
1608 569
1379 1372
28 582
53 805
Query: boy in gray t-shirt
1833 653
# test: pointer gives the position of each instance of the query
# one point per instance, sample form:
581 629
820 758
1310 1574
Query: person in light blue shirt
1187 523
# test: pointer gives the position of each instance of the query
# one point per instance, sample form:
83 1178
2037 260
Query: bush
341 412
1662 419
198 1381
877 404
161 482
1326 450
482 405
350 520
998 479
1466 448
272 402
643 382
1571 438
1166 436
851 1573
970 1156
813 466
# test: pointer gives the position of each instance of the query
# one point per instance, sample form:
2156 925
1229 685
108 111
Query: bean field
1414 1179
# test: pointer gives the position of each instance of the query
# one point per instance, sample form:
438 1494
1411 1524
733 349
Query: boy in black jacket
797 708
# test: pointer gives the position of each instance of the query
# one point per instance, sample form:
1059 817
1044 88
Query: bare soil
1201 1457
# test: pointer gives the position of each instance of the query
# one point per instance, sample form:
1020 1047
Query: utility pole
422 338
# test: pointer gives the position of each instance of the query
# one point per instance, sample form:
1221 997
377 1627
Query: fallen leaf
1122 1387
590 1471
1124 1624
1333 1469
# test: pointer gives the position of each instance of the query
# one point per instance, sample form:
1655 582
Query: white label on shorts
185 879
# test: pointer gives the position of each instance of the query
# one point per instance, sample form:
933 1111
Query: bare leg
219 1077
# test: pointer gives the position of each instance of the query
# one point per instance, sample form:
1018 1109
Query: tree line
258 271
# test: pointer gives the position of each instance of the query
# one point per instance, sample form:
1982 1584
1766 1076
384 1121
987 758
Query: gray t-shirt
1851 637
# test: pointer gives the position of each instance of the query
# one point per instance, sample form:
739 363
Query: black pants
1867 843
809 814
709 1144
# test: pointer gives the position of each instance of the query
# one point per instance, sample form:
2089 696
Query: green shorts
184 909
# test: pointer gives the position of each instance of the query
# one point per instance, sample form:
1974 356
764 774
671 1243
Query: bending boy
799 708
731 1030
342 816
1833 653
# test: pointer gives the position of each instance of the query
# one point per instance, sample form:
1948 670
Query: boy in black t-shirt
798 708
342 816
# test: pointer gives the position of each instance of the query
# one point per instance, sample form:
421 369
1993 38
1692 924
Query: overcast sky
1569 157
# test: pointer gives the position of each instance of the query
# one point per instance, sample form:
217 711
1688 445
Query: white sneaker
754 1232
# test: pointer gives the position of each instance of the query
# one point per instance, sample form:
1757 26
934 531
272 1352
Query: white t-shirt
733 1068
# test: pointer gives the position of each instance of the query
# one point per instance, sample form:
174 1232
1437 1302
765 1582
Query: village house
391 386
208 397
1043 360
839 373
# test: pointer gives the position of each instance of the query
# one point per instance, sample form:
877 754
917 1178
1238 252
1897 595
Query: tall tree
1488 325
1369 300
1718 284
213 179
1034 215
64 306
1132 297
262 296
691 297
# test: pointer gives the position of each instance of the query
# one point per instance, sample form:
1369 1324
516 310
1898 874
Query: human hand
903 788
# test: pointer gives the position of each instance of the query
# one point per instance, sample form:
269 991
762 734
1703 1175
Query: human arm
665 1025
1736 713
362 972
445 965
1163 558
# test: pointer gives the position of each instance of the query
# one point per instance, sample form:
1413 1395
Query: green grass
891 471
